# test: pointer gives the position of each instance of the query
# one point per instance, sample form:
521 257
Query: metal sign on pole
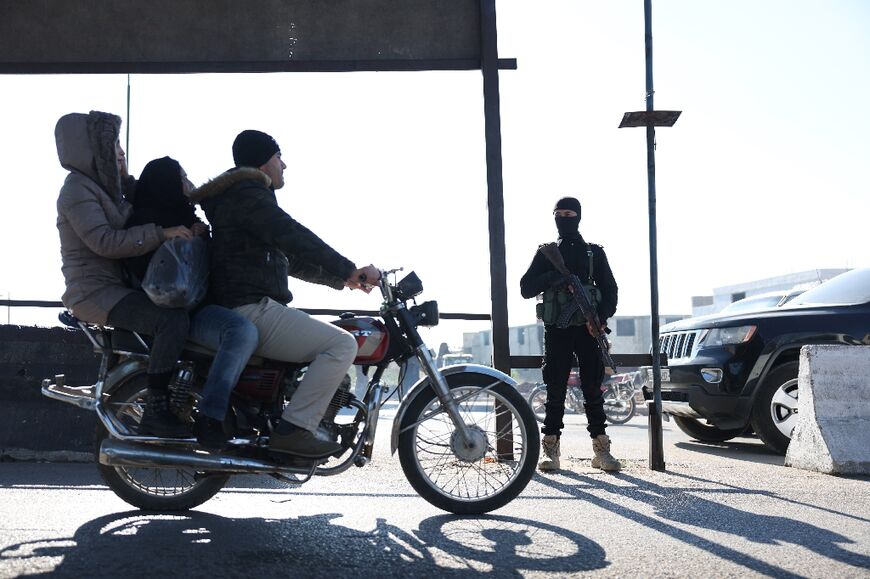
651 118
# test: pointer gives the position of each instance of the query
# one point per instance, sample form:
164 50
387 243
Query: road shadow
684 506
745 451
196 544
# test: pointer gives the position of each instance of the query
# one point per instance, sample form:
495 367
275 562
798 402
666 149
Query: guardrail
519 362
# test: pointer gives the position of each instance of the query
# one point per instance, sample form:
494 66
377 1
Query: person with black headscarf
589 262
161 198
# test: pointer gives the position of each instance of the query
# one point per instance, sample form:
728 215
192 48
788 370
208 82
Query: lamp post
651 118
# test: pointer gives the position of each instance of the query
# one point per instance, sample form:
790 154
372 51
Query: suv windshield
852 287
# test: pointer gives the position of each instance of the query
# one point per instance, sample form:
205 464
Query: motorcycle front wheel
473 479
153 489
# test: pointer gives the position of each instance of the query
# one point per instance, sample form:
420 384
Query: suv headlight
728 336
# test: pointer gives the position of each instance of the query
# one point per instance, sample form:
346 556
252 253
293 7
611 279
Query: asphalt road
726 510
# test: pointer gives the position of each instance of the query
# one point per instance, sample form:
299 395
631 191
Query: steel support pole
656 446
495 204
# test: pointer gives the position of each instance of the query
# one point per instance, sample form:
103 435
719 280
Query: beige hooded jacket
91 214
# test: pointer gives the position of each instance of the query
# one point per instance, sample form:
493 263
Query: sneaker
301 442
603 459
158 420
210 433
550 446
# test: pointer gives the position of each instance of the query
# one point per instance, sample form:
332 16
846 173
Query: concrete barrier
31 425
832 434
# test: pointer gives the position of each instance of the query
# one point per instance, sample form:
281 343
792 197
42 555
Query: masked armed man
589 262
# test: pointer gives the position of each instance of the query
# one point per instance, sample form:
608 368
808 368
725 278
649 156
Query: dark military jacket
256 244
542 274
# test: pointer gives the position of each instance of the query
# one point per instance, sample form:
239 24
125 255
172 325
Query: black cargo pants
560 347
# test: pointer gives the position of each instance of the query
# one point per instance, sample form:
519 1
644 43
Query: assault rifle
579 301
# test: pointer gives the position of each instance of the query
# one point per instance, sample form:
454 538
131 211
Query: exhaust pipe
119 453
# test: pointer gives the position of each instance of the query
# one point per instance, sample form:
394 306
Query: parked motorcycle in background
618 390
466 439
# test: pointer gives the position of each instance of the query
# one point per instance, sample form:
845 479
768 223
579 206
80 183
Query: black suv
733 373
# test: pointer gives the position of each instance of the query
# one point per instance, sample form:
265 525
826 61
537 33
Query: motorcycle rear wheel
618 410
431 453
151 489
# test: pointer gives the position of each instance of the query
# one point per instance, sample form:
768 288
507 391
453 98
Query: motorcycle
619 403
466 439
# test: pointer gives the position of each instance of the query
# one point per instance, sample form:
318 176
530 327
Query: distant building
629 335
722 296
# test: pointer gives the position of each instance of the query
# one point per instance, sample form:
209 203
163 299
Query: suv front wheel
705 432
774 414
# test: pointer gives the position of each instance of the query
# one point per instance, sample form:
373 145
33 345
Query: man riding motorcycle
256 245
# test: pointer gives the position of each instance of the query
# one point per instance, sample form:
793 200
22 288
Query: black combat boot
158 420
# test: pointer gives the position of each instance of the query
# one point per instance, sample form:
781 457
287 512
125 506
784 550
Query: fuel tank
372 338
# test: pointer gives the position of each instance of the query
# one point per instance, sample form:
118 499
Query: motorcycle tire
442 469
150 489
537 399
620 412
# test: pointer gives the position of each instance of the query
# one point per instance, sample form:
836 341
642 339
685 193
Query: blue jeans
234 339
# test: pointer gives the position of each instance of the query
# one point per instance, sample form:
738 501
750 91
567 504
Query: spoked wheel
157 489
619 405
477 477
538 401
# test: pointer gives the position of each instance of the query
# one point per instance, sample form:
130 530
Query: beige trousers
290 335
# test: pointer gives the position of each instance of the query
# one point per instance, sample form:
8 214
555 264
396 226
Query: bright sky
766 172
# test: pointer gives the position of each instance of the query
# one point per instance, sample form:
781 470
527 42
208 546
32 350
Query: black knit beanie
568 203
253 148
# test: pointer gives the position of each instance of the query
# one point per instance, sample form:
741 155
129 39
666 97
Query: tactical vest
554 300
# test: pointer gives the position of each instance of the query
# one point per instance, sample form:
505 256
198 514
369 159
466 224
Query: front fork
442 391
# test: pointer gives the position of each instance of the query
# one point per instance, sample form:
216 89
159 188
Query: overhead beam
135 36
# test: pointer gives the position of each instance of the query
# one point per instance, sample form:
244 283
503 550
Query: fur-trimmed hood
86 144
226 180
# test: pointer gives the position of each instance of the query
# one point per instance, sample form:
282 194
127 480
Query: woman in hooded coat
161 198
92 213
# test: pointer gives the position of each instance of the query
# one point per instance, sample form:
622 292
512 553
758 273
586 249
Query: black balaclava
568 226
253 148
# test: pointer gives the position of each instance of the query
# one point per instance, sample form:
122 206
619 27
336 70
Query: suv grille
678 344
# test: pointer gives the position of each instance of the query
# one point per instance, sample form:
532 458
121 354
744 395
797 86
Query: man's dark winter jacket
256 245
542 274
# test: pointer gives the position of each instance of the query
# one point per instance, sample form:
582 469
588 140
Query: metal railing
518 362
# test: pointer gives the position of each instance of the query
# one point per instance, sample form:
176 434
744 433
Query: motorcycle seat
121 340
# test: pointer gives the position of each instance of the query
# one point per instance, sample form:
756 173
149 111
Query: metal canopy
171 36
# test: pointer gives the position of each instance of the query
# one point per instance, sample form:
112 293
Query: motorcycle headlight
425 314
728 336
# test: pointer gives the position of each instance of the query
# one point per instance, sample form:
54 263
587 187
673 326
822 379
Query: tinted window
852 287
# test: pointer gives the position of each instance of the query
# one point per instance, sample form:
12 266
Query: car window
852 287
752 304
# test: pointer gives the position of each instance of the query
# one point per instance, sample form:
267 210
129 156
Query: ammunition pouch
554 300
